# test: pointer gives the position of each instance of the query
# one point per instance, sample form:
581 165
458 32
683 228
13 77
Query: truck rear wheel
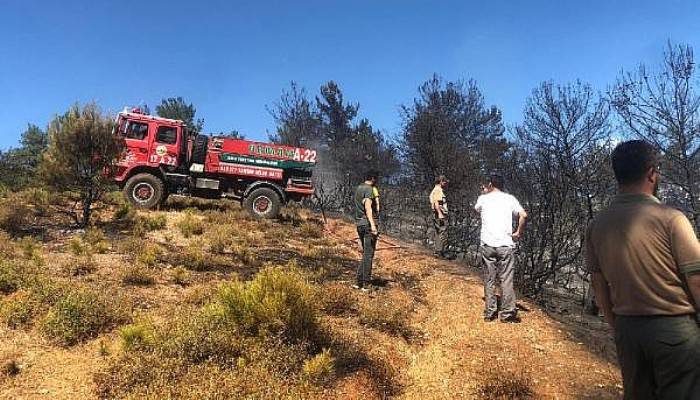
144 191
263 203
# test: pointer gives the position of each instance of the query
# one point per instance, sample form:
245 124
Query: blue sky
232 58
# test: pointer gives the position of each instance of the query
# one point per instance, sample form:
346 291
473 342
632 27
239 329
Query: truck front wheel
144 191
263 203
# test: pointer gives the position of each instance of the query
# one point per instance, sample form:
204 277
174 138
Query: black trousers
369 243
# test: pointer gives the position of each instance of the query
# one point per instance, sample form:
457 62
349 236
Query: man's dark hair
371 174
497 181
631 160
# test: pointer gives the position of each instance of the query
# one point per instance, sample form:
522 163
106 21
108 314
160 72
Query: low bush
82 265
190 225
149 223
180 276
124 214
135 336
15 216
10 277
138 274
95 238
80 314
78 247
253 339
275 302
149 254
320 368
19 309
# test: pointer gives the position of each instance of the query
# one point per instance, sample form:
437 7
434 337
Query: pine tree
81 154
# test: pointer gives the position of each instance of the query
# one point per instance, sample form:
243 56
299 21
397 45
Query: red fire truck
163 158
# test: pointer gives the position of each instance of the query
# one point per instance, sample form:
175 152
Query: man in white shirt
497 209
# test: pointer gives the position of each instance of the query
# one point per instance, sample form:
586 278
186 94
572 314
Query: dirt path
462 356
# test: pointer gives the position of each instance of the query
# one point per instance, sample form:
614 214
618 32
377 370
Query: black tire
145 191
199 149
263 203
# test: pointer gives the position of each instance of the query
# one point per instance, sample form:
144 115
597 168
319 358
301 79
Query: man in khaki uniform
438 204
645 261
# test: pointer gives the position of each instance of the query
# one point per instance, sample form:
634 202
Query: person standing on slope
645 261
438 205
364 202
497 209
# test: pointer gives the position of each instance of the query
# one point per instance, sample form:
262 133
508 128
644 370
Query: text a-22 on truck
162 158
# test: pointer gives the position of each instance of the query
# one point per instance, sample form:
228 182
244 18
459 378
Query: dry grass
270 334
501 382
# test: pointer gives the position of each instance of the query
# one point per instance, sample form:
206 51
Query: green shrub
190 225
320 368
8 250
180 276
149 254
19 309
80 314
82 265
275 302
10 277
95 238
15 217
124 213
151 223
138 274
136 336
77 247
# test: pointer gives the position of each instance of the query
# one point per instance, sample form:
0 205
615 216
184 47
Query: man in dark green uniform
366 227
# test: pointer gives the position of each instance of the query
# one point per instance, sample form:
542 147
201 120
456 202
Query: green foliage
81 149
135 336
276 302
82 265
11 276
177 108
124 213
20 309
80 314
190 225
180 276
95 238
151 223
138 274
18 167
320 368
77 247
149 254
253 340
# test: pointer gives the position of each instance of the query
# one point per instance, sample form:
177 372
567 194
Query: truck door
136 138
166 146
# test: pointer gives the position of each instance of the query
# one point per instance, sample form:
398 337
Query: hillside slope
420 335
